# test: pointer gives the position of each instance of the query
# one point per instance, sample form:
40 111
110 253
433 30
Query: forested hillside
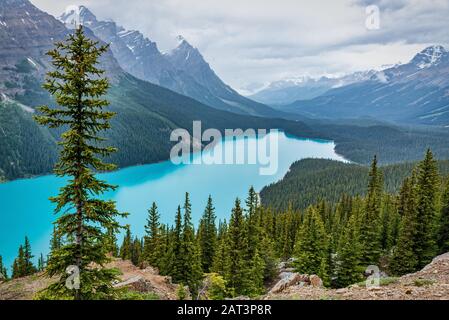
312 180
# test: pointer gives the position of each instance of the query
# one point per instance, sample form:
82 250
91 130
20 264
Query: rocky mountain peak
430 56
78 14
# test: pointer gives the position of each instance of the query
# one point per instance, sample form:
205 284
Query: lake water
26 210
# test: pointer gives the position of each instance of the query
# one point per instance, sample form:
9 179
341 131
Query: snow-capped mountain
290 90
415 92
184 70
26 34
429 57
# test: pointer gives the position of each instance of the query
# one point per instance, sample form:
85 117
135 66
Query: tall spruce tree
111 243
127 244
136 251
173 258
18 269
55 242
3 270
312 245
349 270
28 267
404 259
41 263
443 232
152 245
236 270
207 236
78 86
428 185
370 236
191 272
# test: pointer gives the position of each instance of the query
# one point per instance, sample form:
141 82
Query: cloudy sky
250 42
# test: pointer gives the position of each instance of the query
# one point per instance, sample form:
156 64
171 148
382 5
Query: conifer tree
136 251
41 263
28 266
428 185
348 268
404 259
222 258
443 234
191 272
111 243
207 236
77 85
370 220
152 246
55 242
18 269
173 259
126 248
3 271
252 229
311 246
236 270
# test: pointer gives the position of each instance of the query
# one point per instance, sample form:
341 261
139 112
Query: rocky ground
137 280
431 283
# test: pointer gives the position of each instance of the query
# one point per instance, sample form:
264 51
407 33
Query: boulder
288 279
316 281
137 283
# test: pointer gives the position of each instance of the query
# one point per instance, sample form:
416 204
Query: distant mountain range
289 90
413 93
182 70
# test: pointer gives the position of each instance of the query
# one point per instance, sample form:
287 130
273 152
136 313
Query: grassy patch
383 281
133 295
423 282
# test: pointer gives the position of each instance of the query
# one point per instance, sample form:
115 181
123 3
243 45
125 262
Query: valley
350 184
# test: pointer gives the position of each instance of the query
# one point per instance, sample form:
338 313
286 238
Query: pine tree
404 259
191 272
15 269
55 242
77 85
236 270
222 258
207 236
152 245
126 248
428 185
111 243
41 263
311 247
443 234
173 258
136 251
370 221
348 268
3 271
28 267
18 269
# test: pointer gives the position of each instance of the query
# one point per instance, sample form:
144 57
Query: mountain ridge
416 92
183 70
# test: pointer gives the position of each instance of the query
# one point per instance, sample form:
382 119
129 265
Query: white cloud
248 41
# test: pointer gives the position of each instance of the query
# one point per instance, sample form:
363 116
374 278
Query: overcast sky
258 41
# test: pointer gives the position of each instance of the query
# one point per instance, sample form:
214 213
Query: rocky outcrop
131 277
431 283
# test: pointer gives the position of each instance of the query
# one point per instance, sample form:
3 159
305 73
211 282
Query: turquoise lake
26 210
